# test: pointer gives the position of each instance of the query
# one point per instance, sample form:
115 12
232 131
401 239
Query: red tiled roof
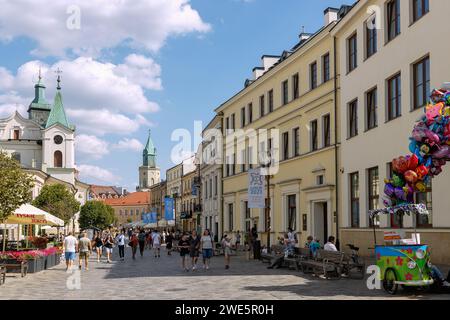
135 198
98 190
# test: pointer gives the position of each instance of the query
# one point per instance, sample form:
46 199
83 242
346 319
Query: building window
250 112
292 212
230 217
326 130
210 188
233 121
373 193
296 138
371 109
320 180
371 37
16 156
352 52
353 118
262 107
313 75
243 165
421 82
215 185
285 145
314 140
420 8
326 67
394 97
270 97
227 123
285 89
242 117
393 19
57 159
295 86
354 199
425 221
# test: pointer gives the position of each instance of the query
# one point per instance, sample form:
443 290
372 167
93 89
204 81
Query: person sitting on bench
330 246
438 277
279 260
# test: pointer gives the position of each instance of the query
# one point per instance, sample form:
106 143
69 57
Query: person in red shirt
134 242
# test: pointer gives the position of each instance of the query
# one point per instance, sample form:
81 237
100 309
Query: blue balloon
413 146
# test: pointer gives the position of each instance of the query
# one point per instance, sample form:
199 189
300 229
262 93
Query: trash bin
257 250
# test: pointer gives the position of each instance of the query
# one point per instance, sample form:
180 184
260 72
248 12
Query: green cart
405 264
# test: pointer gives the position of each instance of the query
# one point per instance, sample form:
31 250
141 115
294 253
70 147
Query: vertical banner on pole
168 211
153 219
256 197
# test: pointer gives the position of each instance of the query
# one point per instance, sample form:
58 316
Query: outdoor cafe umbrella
27 214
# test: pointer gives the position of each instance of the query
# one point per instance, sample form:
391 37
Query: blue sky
176 67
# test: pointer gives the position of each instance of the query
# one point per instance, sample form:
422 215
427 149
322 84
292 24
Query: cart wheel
389 284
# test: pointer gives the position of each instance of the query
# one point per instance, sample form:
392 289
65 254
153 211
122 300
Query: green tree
15 188
96 214
57 200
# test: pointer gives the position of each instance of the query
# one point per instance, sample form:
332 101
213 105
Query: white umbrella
28 214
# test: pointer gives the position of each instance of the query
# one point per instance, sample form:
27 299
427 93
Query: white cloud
103 24
91 146
89 172
129 144
99 98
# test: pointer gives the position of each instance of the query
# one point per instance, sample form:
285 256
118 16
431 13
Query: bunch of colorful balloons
430 147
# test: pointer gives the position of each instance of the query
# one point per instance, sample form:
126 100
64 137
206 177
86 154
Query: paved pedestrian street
150 278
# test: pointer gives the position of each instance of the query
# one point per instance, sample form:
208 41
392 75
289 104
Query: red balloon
411 176
400 165
421 171
413 162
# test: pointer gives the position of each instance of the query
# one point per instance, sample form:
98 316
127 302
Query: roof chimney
330 15
268 61
257 72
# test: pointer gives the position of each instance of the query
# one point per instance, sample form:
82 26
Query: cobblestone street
150 278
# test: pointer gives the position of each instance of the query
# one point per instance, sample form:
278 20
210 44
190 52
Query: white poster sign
256 197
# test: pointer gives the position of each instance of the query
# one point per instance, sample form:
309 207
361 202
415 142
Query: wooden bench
327 263
2 274
23 267
277 251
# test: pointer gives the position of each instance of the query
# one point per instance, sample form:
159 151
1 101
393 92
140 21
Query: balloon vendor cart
405 262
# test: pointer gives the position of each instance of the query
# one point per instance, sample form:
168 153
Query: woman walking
133 244
169 239
207 245
109 242
226 245
194 249
98 244
184 246
141 239
120 240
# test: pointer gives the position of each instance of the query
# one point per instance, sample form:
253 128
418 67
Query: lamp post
266 163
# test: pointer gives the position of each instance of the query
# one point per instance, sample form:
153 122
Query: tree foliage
15 186
57 200
96 214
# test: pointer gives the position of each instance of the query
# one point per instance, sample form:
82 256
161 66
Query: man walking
70 246
156 240
120 240
85 247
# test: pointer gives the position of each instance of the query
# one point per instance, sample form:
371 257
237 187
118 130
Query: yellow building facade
294 97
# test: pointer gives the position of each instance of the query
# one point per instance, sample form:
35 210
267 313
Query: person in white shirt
156 239
120 240
330 246
70 246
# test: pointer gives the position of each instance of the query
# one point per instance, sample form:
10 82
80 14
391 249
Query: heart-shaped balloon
411 176
413 162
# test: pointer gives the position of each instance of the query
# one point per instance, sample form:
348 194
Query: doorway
321 221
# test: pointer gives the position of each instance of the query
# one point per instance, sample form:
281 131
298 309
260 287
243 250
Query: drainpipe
336 157
222 205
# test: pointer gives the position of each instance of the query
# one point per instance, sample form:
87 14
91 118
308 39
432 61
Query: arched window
153 182
16 156
57 159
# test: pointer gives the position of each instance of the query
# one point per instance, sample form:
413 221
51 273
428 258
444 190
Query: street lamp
266 163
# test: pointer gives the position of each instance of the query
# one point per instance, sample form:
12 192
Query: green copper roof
39 101
150 148
57 115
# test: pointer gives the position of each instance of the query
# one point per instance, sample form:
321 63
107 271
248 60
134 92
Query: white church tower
58 142
149 173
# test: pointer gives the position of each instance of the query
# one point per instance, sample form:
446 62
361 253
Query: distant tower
39 109
149 173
